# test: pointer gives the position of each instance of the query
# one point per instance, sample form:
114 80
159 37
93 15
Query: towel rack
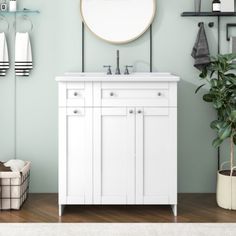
210 24
227 30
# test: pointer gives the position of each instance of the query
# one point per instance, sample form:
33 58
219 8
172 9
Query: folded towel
23 54
4 58
15 165
201 50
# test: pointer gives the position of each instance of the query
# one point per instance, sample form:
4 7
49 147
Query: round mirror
118 21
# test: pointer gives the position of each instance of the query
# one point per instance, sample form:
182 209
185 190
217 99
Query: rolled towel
15 165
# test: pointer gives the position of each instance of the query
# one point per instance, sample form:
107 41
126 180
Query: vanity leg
174 209
61 209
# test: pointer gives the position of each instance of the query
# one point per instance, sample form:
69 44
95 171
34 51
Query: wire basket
14 188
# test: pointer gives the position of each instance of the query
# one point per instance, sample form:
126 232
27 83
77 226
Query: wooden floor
191 208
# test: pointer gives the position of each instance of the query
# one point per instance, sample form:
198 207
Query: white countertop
101 77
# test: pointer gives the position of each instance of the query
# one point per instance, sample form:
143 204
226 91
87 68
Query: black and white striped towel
4 58
23 54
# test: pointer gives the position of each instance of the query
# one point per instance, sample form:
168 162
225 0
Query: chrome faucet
117 62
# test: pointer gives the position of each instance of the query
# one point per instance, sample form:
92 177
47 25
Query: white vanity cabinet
118 140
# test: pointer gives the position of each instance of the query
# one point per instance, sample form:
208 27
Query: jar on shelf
216 6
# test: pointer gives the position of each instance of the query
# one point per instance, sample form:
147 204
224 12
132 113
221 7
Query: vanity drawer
75 94
135 97
149 94
75 97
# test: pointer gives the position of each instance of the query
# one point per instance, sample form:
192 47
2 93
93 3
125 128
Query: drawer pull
139 112
76 112
112 94
76 94
159 94
131 111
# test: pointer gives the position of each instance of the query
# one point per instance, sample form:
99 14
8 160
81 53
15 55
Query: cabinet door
156 156
75 156
114 156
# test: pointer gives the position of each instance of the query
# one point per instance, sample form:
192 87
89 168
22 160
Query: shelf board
207 14
18 12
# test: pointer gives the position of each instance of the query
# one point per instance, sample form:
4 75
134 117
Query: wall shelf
19 12
211 14
208 14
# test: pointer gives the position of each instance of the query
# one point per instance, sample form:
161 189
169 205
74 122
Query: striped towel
23 54
4 58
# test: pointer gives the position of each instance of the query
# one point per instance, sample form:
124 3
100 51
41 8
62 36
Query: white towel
23 54
4 58
15 165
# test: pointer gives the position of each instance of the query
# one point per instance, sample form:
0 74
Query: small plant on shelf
221 80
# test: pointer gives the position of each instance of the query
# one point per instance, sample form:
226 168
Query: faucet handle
127 69
108 70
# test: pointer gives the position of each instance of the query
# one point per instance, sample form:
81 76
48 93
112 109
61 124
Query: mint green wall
56 41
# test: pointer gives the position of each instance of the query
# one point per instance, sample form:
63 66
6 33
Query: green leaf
217 124
208 98
199 88
230 56
212 73
217 142
233 116
217 104
203 75
224 132
231 80
232 66
214 82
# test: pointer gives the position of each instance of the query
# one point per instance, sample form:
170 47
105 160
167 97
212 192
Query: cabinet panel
156 155
77 159
114 156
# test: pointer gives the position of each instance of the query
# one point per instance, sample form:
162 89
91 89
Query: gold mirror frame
120 42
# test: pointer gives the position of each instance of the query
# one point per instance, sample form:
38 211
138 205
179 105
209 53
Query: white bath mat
117 229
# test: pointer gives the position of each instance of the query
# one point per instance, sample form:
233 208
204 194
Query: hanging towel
23 54
201 52
4 58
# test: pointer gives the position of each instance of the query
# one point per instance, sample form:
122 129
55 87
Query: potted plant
221 93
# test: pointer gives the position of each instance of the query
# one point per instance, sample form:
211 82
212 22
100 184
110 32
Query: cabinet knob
159 94
131 111
112 94
76 112
139 112
75 94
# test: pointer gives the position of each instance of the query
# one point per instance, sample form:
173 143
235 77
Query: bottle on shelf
216 6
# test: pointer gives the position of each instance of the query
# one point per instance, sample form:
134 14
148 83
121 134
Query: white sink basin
97 74
90 76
